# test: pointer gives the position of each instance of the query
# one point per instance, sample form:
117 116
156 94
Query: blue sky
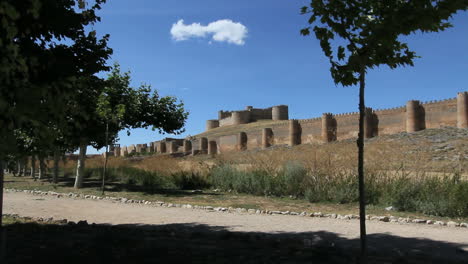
274 65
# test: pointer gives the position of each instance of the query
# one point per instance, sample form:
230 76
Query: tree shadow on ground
195 243
114 186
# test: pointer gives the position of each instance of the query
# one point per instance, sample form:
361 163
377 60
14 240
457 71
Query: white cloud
224 30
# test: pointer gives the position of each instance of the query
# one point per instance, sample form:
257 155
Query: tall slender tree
358 35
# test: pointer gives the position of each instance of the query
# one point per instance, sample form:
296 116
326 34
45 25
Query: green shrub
291 179
440 196
189 181
447 196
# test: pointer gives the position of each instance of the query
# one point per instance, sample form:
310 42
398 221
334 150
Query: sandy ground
438 240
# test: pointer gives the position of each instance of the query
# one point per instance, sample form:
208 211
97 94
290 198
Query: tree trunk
1 196
42 168
23 161
56 166
33 167
360 143
81 164
18 167
105 159
25 166
2 236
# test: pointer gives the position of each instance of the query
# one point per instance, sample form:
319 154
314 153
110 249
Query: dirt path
393 236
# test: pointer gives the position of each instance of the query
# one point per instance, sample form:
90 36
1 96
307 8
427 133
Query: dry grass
409 157
392 156
212 198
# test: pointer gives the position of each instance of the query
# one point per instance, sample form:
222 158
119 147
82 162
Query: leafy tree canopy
140 107
367 31
44 50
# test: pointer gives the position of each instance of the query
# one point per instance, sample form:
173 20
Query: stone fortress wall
412 117
249 115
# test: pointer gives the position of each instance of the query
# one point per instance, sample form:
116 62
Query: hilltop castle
232 130
249 115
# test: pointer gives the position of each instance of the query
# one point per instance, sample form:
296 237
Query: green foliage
189 181
434 196
357 35
227 178
45 49
149 180
144 107
438 196
288 181
429 195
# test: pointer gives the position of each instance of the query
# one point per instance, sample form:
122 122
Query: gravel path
437 240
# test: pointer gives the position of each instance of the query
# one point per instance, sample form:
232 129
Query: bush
189 181
292 179
446 196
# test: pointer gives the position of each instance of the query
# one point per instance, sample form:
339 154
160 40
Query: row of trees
52 100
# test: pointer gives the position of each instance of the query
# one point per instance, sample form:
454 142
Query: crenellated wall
412 117
249 115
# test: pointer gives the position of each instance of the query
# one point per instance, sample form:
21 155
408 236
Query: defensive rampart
232 131
249 115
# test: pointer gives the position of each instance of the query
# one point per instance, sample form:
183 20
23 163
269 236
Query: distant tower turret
210 124
462 110
280 112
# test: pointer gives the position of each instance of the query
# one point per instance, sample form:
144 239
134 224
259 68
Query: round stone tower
240 117
172 147
267 137
187 145
415 120
210 124
369 123
462 110
280 112
328 127
162 147
294 132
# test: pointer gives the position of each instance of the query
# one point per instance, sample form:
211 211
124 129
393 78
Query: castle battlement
249 115
413 116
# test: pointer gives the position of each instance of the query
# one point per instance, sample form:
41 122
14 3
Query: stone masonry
412 117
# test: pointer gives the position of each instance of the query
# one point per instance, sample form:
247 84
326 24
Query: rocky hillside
443 144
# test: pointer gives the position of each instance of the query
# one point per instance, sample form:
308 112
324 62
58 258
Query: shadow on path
195 243
115 186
